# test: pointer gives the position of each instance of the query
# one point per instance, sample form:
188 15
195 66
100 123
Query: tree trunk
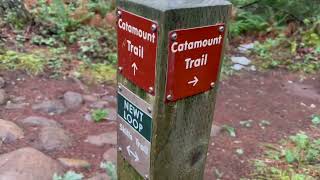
17 7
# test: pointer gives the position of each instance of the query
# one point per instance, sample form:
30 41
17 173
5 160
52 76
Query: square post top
166 5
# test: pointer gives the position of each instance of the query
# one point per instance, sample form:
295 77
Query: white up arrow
194 81
134 154
135 68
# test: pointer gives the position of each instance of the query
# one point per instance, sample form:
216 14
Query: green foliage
231 130
30 63
13 20
247 22
226 69
247 124
99 115
99 72
110 169
100 6
95 45
70 175
271 15
276 53
295 158
315 119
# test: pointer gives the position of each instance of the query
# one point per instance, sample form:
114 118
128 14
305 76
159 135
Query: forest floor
284 100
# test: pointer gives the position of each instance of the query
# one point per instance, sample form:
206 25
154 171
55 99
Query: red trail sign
137 49
194 61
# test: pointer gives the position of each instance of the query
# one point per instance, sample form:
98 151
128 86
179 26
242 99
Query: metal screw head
151 89
149 110
119 13
212 84
120 88
146 177
120 149
154 27
221 28
120 69
169 97
174 36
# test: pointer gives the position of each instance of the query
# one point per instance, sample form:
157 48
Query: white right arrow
194 81
135 67
134 154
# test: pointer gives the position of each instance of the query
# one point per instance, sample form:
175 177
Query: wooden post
180 129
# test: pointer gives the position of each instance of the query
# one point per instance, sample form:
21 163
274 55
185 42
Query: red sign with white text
194 61
137 49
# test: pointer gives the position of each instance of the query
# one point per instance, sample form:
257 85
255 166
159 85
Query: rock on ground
102 139
15 106
111 155
215 130
241 60
54 138
237 67
244 48
72 100
49 107
100 176
40 121
9 131
3 96
99 105
2 82
28 164
74 163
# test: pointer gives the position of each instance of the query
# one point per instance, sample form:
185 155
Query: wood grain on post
181 130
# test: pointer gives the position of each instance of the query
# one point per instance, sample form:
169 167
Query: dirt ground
285 100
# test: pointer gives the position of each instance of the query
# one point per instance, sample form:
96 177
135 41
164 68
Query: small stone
74 163
99 105
3 96
215 130
9 131
72 100
237 67
253 68
28 164
100 176
244 48
15 106
17 99
102 139
112 115
90 98
53 138
110 99
40 121
111 155
2 82
54 106
313 106
241 60
88 117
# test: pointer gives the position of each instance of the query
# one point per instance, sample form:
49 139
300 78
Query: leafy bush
269 15
99 115
295 158
30 63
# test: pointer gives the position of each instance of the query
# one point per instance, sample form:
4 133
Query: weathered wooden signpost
170 54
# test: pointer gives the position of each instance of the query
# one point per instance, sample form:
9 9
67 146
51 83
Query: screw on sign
137 49
194 61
